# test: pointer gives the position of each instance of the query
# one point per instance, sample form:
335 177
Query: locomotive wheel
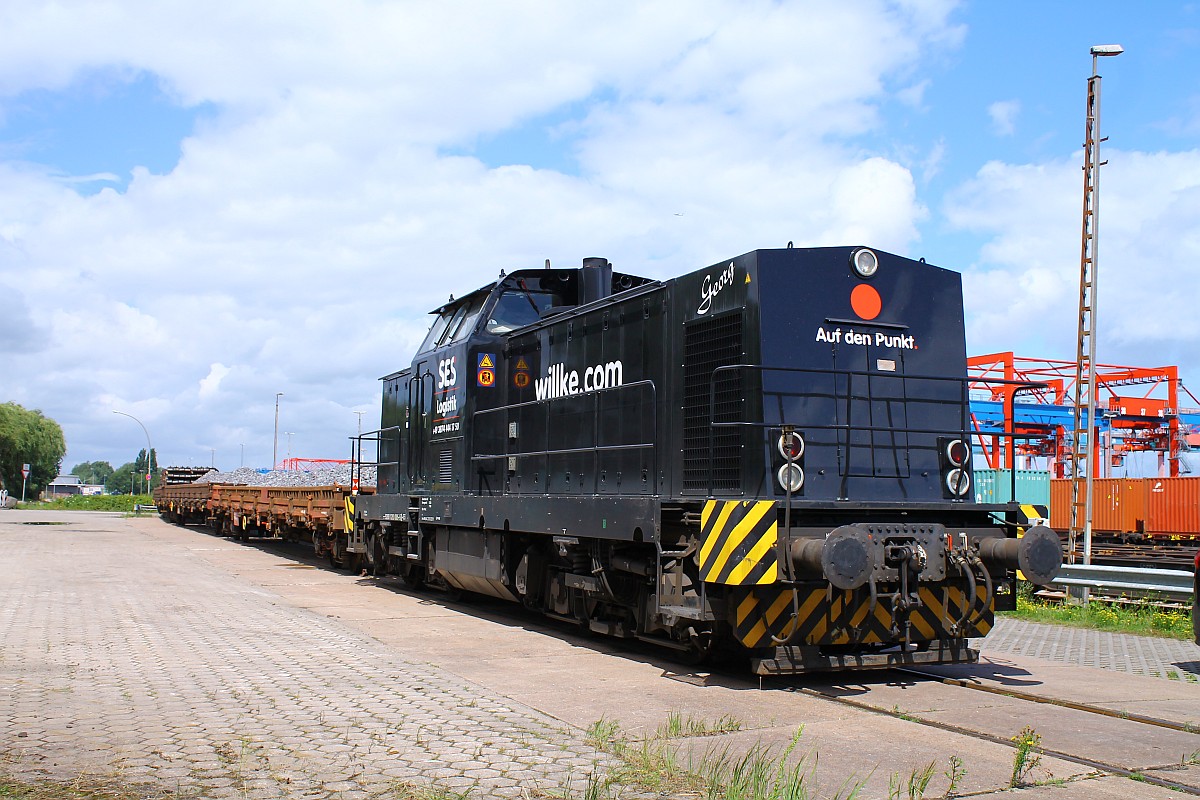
377 557
416 574
413 575
699 647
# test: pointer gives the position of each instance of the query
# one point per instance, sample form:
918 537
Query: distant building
65 485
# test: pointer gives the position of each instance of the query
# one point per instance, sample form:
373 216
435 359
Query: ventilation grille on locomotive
708 344
445 466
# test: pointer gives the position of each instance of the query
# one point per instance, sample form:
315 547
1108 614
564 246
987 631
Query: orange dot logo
865 301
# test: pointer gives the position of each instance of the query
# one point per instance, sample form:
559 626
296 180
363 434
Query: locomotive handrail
595 448
599 448
963 402
357 462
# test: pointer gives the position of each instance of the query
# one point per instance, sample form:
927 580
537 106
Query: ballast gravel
339 475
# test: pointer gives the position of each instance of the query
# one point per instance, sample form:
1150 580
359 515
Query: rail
1169 583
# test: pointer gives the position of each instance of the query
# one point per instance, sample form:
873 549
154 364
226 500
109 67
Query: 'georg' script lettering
712 287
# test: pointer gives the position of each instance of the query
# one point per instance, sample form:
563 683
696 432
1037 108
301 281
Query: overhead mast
1083 446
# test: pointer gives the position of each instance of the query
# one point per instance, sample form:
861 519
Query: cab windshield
520 306
453 323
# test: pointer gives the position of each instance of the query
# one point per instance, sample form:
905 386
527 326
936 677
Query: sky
203 205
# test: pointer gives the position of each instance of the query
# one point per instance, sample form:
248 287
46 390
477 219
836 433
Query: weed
84 787
1027 756
676 727
602 733
410 791
917 784
954 775
651 764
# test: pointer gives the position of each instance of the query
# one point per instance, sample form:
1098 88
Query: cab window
453 324
435 331
519 307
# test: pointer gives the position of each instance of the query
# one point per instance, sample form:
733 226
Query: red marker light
865 301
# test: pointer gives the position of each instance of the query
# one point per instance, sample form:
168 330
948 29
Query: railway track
1145 740
1153 556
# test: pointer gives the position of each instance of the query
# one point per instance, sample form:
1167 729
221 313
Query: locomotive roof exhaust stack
595 280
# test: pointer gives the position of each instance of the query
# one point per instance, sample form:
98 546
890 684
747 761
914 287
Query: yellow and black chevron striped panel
1033 512
738 539
348 515
766 616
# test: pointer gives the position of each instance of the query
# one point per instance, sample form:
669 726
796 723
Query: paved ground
167 655
148 661
1171 659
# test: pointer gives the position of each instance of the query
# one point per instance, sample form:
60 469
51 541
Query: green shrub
92 502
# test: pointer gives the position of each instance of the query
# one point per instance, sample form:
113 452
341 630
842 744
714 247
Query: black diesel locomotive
770 454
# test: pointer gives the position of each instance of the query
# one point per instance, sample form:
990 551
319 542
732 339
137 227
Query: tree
142 469
131 477
96 473
28 437
123 479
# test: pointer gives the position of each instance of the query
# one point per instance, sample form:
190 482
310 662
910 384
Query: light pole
149 447
1083 459
275 448
289 434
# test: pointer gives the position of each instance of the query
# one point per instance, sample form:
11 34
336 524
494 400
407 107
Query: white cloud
1024 293
1003 114
211 383
318 213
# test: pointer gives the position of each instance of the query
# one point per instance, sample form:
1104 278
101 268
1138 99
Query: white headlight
790 477
865 263
958 481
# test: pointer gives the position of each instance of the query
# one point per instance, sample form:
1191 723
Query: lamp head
1107 50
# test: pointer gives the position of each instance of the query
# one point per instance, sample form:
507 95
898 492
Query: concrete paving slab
1122 743
1187 772
1096 788
882 756
1177 701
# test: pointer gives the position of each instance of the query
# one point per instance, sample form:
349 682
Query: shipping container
1173 507
1118 506
996 486
1157 508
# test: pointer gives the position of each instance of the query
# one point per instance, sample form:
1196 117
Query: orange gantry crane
1142 419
